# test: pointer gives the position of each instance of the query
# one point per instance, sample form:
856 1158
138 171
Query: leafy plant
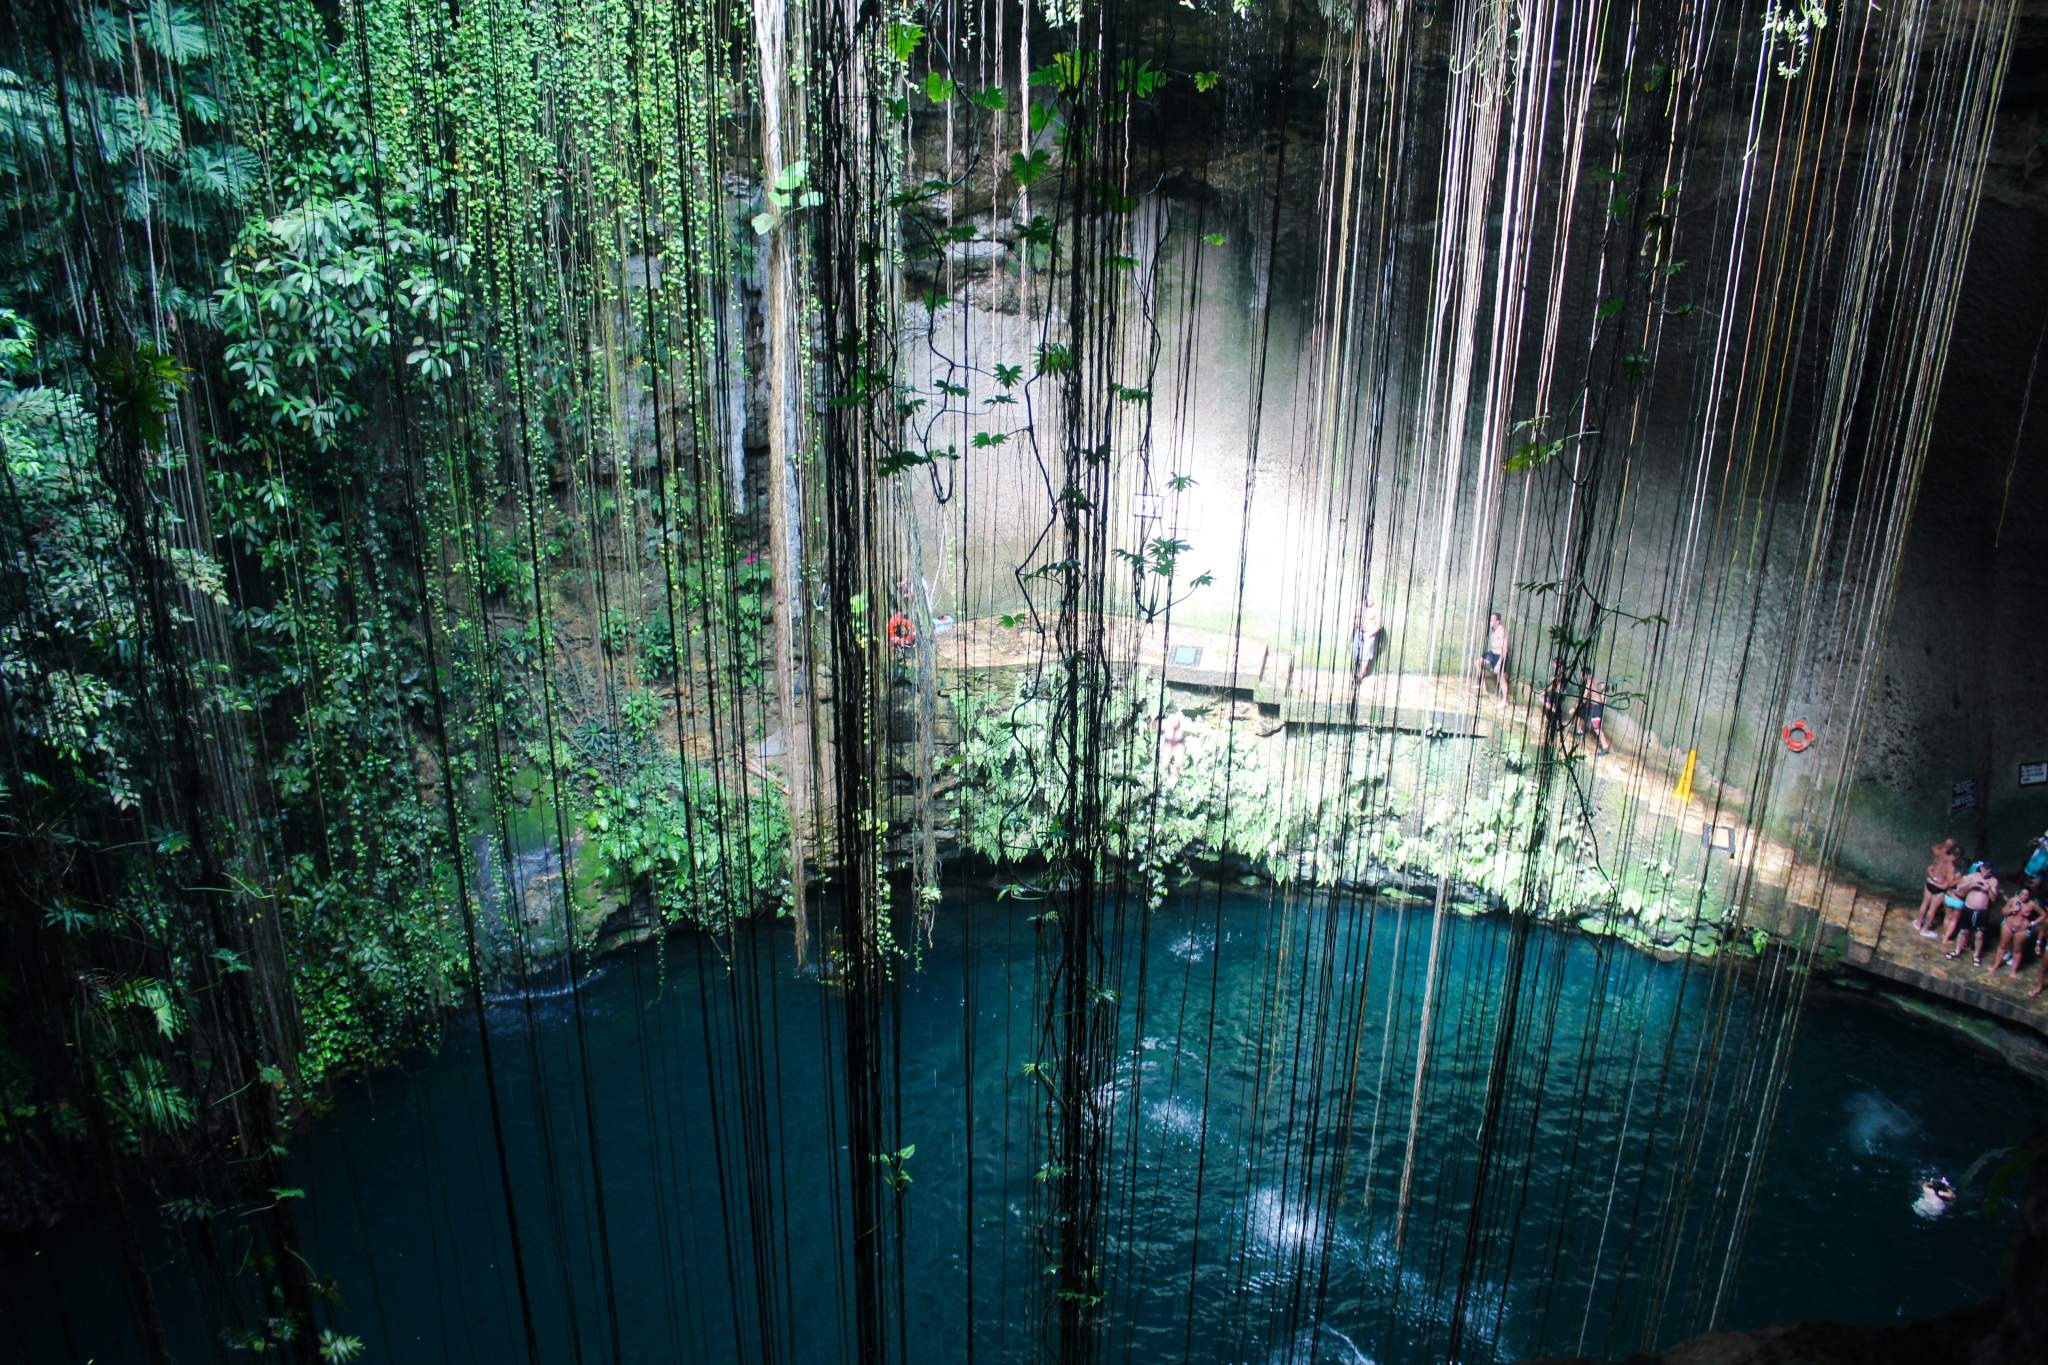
702 853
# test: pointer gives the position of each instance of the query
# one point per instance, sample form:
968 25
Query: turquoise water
1260 1095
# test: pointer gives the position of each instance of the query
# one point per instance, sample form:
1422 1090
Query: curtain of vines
488 483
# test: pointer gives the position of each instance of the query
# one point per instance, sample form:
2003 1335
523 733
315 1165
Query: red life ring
902 631
1798 735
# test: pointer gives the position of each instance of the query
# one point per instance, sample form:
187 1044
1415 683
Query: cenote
1073 682
726 1196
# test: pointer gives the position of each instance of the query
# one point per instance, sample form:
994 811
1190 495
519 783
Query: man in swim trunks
1495 659
1366 624
1952 905
1941 875
1976 890
1592 705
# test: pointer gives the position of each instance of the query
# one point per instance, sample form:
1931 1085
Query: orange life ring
1798 735
902 631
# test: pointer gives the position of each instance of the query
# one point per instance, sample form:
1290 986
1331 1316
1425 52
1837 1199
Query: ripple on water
1286 1236
1424 1308
1323 1345
1178 1118
1275 1221
1876 1123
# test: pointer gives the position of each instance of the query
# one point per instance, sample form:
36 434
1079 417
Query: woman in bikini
2021 925
1941 875
1974 918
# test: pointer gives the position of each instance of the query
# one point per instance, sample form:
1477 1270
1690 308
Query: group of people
1587 703
1965 905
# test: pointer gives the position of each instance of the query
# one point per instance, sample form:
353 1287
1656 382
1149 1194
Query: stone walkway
1784 894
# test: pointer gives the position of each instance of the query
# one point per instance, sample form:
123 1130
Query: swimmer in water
1935 1197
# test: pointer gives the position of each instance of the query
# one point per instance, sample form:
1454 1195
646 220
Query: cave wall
1292 507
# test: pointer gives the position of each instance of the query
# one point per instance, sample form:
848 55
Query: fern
174 31
146 1098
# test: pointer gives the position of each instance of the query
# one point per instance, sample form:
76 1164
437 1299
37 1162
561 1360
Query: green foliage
1790 27
893 1168
1029 170
66 643
787 194
1163 812
1536 448
903 40
316 295
154 146
310 470
1160 809
704 853
340 1349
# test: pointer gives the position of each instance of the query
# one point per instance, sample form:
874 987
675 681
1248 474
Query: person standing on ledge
1592 706
2037 860
1976 888
1366 624
2017 928
1495 659
1941 875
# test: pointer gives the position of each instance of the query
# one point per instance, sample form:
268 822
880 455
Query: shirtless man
1975 890
1941 875
1366 624
1495 659
1592 705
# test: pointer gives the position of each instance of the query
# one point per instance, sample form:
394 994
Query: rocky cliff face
1232 250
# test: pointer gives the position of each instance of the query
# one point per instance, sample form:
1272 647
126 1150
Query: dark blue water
1261 1097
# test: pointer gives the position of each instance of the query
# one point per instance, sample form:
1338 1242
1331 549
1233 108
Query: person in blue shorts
1495 659
1366 624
